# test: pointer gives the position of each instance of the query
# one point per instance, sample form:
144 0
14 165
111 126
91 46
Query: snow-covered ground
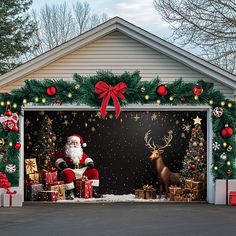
113 198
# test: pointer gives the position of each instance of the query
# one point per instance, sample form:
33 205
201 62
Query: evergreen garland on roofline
129 89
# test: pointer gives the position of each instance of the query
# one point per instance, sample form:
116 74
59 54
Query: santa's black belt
76 166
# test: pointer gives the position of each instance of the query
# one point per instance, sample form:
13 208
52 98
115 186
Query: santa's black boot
70 194
96 193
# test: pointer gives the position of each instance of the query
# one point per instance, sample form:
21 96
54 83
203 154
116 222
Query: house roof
132 31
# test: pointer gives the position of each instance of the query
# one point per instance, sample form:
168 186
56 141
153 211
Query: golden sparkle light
171 98
24 101
36 99
146 97
14 105
43 100
8 102
158 101
69 95
230 104
195 97
224 144
228 163
215 167
2 103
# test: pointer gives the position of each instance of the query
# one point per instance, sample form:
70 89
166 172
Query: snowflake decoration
215 146
10 168
186 127
154 117
136 117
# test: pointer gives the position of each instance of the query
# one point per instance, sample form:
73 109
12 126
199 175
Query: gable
118 53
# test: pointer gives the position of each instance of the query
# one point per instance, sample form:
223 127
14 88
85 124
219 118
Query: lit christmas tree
45 150
194 163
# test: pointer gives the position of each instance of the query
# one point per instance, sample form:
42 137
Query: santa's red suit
77 165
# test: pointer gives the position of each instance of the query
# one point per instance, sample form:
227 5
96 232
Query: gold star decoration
197 120
49 121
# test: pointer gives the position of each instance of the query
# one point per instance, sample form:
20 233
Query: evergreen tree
44 148
194 163
16 29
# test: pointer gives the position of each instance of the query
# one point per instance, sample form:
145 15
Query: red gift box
48 196
49 177
232 198
84 188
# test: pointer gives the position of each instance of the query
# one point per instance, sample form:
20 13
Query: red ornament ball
197 90
51 91
17 145
228 173
58 101
3 151
8 112
5 159
162 90
193 166
226 132
182 99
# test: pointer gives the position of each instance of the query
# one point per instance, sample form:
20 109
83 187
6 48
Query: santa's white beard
75 153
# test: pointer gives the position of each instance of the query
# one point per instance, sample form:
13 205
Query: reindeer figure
165 176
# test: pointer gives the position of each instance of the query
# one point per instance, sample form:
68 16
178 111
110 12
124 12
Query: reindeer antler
167 140
148 140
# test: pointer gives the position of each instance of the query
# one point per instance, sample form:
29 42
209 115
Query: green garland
82 91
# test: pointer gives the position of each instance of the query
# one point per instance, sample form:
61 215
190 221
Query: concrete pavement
113 219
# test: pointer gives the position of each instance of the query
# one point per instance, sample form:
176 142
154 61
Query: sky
138 12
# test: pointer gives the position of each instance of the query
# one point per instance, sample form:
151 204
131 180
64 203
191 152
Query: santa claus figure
74 164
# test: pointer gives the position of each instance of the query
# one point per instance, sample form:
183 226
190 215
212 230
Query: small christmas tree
44 148
194 163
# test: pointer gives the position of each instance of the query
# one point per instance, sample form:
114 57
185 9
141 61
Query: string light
230 104
171 98
2 103
158 101
224 144
43 100
14 105
222 103
36 99
228 163
215 167
195 97
24 101
8 103
146 97
69 95
211 102
10 144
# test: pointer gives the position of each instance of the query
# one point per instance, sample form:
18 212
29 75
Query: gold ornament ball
10 144
142 89
171 98
43 100
194 144
222 103
8 103
211 102
146 97
195 97
230 105
24 101
2 103
228 163
224 144
2 142
69 95
77 87
215 167
36 99
14 105
158 101
49 140
54 137
201 144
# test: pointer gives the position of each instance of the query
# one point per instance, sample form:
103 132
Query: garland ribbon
106 91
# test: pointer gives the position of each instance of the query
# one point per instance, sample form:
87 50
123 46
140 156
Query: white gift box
11 200
221 189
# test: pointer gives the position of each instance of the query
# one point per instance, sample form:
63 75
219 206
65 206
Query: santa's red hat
78 138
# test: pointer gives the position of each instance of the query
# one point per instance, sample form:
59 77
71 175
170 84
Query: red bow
106 91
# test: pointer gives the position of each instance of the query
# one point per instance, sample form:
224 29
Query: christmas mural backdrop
117 145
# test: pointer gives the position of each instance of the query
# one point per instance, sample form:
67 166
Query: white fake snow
113 198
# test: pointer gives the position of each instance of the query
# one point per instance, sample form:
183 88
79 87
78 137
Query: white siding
118 53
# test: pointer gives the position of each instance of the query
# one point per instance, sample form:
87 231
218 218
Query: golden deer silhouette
165 176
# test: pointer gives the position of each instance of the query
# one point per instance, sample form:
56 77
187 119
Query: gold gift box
31 166
60 188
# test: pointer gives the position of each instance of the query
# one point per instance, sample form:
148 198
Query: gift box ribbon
10 197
